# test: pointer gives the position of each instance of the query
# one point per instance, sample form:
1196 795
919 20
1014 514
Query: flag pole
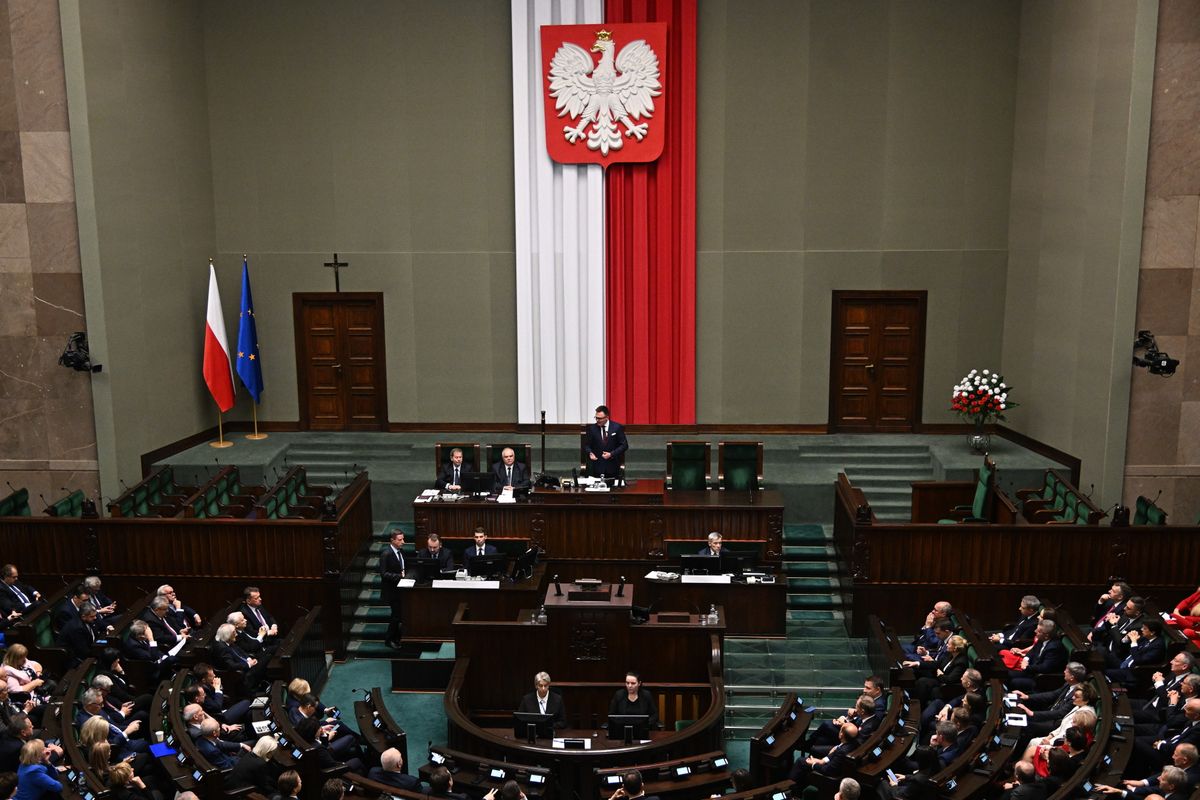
256 436
220 442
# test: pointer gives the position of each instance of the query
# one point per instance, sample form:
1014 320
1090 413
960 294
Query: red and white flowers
982 397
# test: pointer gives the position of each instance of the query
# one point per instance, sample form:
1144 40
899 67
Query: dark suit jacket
446 473
1148 651
218 753
398 779
705 551
9 601
251 620
520 478
1025 791
162 634
595 445
554 707
470 552
140 651
839 763
444 556
229 656
1047 657
251 770
64 614
10 753
77 637
391 570
1021 631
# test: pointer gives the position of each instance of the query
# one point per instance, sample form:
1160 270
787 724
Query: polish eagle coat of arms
609 104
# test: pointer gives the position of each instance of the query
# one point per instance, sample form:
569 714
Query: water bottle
713 619
541 616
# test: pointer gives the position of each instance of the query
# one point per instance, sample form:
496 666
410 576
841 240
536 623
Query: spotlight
1158 363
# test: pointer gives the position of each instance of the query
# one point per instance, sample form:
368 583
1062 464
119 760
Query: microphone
11 486
621 587
557 588
44 503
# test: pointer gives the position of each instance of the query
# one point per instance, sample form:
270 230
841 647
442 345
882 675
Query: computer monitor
628 726
478 482
523 566
423 570
691 564
487 566
530 725
735 563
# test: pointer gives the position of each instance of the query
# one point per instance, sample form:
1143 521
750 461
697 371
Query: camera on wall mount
76 356
1153 359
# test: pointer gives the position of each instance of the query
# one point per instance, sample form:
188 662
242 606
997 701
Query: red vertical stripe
651 278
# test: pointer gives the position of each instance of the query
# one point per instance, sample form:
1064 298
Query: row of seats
1058 502
158 495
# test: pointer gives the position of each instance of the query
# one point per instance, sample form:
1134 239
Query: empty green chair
688 465
740 465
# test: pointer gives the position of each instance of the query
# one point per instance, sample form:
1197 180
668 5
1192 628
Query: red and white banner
604 92
218 370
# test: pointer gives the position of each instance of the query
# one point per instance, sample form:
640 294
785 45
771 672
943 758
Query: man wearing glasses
605 444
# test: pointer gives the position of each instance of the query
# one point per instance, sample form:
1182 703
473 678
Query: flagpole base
221 443
254 437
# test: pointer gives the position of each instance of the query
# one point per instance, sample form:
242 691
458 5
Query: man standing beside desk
543 701
713 548
605 443
480 548
633 699
508 473
391 571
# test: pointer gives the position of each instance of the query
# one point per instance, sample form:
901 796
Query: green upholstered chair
977 511
16 504
524 454
740 465
1155 515
583 459
1044 496
688 465
471 462
69 506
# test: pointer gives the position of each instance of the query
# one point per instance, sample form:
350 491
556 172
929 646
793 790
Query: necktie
480 552
509 477
261 620
172 630
542 703
604 434
456 476
20 595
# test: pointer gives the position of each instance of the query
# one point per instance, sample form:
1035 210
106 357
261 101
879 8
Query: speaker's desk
634 522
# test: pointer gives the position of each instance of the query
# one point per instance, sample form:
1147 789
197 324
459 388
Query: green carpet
420 714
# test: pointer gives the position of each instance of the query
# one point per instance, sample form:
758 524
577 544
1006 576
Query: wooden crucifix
337 266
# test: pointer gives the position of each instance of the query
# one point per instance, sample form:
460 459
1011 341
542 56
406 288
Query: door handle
871 367
338 367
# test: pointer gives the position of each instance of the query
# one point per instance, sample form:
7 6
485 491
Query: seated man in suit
231 657
433 549
863 714
78 634
1111 638
1146 648
1153 711
713 548
605 443
543 701
219 753
632 787
16 598
123 740
926 638
391 772
480 548
441 785
835 764
945 742
252 607
342 741
252 639
1046 655
508 473
1025 784
449 477
1021 631
163 624
70 606
141 646
185 616
105 605
213 699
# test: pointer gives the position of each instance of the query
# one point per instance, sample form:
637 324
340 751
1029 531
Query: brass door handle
337 366
870 366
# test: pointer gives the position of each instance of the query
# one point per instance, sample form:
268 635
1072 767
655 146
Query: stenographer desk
633 522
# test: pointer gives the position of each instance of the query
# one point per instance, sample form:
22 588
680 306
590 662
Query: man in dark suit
605 443
391 571
1154 710
1146 648
1022 630
713 548
509 473
835 764
258 616
1025 785
141 646
1046 655
14 595
183 616
1111 638
450 475
391 772
78 635
1151 753
18 732
1045 710
220 753
433 549
105 605
480 548
163 625
543 701
69 609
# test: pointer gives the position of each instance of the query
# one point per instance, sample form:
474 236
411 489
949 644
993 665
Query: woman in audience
1186 616
25 681
35 777
289 785
297 689
1082 715
125 785
948 675
93 733
99 755
258 768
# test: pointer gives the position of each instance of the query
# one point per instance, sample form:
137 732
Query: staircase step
808 568
814 601
808 552
812 584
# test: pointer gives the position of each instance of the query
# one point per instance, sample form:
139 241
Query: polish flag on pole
218 373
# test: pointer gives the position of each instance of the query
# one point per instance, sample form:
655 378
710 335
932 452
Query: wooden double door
340 361
877 361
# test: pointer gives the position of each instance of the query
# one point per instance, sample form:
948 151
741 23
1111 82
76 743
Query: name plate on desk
406 583
592 595
572 744
705 579
453 584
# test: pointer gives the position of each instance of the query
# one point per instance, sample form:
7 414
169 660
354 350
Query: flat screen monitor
478 482
735 563
699 565
523 566
487 566
531 725
423 570
628 727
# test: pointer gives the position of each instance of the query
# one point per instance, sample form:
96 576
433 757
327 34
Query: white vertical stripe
560 240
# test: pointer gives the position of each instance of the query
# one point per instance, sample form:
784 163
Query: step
808 568
817 446
876 490
806 534
808 552
813 584
796 600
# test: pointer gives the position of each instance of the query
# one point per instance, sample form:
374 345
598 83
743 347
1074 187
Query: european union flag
249 367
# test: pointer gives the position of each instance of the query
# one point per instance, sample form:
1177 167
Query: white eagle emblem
605 97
